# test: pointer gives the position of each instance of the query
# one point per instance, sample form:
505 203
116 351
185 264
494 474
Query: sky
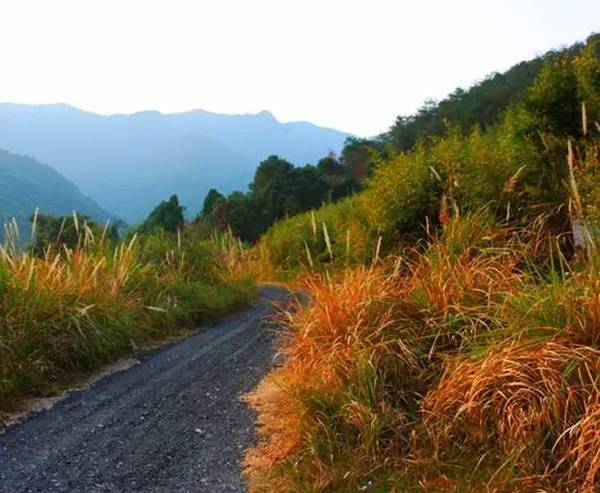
348 64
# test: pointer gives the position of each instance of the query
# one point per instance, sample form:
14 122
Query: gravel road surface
172 423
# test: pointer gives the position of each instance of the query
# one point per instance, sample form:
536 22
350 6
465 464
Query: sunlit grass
72 310
458 366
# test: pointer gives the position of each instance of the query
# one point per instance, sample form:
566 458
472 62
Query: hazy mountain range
129 163
26 184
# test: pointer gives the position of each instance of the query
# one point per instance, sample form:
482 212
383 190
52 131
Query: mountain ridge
130 162
265 113
28 184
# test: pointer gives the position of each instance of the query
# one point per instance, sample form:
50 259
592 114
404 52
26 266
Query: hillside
27 184
283 190
129 163
481 104
280 190
452 339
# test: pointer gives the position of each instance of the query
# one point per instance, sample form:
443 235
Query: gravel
172 423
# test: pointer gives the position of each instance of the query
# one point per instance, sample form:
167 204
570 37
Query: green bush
517 169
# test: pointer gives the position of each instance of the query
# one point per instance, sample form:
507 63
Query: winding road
172 422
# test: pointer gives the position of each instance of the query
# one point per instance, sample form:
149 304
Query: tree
356 157
168 216
242 216
554 99
67 231
587 71
329 165
561 87
212 200
273 170
271 189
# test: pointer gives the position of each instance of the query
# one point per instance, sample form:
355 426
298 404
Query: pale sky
349 64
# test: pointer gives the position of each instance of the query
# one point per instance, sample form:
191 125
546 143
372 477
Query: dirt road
171 423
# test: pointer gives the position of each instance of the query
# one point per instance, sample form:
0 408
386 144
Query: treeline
516 168
281 190
482 105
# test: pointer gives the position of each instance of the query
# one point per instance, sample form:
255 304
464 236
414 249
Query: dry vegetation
70 310
447 365
468 359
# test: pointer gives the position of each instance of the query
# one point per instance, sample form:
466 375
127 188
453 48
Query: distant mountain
129 163
26 184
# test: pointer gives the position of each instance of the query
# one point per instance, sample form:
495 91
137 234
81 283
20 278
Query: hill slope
27 184
451 342
482 104
128 163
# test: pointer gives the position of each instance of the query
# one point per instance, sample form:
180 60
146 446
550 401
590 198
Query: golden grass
73 310
536 404
450 368
364 352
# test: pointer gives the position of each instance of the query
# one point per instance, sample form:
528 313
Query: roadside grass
452 339
70 311
451 368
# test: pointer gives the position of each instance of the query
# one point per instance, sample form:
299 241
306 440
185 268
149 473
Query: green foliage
517 169
213 200
356 157
587 71
482 105
302 240
66 231
554 98
408 191
281 190
168 216
563 84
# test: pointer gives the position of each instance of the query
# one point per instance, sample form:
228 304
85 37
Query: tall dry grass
534 405
69 311
469 363
361 357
